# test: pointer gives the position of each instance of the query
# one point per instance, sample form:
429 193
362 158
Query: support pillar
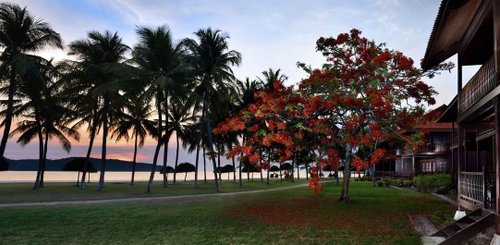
460 158
497 166
496 50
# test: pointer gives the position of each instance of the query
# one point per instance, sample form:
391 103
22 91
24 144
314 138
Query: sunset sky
268 33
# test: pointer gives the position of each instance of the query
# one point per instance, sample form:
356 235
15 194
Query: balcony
478 86
471 188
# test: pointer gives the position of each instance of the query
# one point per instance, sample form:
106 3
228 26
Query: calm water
62 176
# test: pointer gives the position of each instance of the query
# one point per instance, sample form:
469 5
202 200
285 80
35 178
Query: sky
268 33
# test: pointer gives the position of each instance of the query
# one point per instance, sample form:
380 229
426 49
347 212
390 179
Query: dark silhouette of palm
179 122
212 63
136 120
271 76
45 114
164 73
96 55
20 34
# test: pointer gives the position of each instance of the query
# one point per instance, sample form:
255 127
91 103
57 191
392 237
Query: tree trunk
167 139
269 162
44 158
196 165
298 171
93 130
199 143
103 151
374 178
40 153
241 161
210 144
9 112
293 167
176 157
204 165
234 170
218 163
347 175
165 159
134 161
158 145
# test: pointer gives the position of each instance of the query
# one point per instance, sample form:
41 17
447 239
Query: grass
293 216
22 192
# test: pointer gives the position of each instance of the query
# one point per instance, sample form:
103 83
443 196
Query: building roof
450 114
430 121
451 24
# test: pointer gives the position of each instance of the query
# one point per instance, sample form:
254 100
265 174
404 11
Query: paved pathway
141 199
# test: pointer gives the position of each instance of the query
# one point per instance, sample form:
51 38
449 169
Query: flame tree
362 95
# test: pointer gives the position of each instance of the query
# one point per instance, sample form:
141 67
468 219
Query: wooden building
432 157
470 29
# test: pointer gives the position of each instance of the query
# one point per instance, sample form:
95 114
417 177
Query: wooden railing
478 86
472 187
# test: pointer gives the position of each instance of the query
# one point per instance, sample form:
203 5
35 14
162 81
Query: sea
111 176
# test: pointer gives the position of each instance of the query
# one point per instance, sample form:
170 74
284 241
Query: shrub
380 183
387 182
395 182
432 183
406 183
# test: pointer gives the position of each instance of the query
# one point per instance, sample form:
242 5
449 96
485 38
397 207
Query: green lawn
22 192
374 216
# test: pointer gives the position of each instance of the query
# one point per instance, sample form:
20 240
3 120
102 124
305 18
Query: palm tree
136 119
212 63
45 115
246 91
271 76
96 54
180 122
20 34
165 73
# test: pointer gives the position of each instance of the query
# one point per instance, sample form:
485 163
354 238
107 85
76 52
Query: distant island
58 164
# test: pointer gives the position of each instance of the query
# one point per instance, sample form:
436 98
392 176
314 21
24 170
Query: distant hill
58 164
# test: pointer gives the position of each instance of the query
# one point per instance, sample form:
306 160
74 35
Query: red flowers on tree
363 94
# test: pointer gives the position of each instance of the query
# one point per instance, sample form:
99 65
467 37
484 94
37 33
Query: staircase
465 228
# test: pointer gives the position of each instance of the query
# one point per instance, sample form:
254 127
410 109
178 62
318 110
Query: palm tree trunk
196 165
100 186
134 161
40 153
165 149
204 165
210 143
176 156
234 170
218 163
44 158
93 130
8 114
158 145
298 171
241 160
165 159
281 175
261 174
269 162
